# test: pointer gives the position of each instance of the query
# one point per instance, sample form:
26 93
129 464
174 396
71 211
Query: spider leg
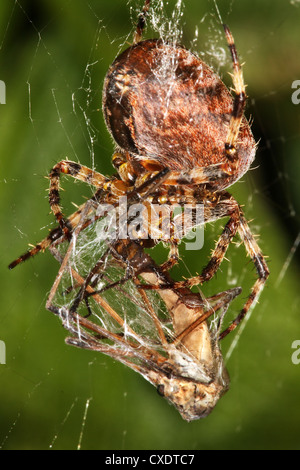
262 269
55 236
91 279
197 176
236 224
173 256
123 167
239 102
78 172
141 22
211 305
41 246
226 237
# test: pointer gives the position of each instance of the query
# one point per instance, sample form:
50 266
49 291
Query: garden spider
181 138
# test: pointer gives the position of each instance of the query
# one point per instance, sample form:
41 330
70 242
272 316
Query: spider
180 138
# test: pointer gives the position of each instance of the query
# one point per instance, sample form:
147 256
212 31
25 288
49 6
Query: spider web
54 56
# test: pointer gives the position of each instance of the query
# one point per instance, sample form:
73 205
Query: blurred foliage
52 51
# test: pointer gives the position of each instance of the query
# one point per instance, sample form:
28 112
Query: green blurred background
53 58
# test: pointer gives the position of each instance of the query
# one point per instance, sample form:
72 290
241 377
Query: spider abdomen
163 104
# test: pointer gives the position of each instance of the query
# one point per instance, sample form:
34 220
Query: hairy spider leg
236 224
239 102
196 176
141 22
79 172
262 269
56 235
